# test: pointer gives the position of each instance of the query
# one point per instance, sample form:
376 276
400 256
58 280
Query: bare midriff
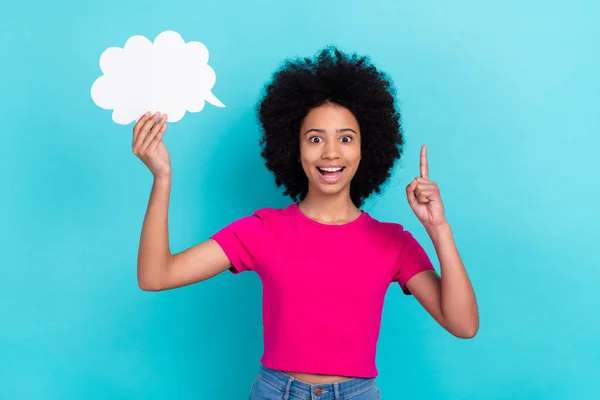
315 379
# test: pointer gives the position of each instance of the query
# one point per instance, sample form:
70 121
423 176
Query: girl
331 135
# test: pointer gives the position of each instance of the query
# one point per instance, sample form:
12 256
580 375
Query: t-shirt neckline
299 214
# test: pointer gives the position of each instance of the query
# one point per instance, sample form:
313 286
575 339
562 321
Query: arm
450 300
157 268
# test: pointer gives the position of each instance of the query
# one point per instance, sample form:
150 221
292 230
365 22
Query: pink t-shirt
323 285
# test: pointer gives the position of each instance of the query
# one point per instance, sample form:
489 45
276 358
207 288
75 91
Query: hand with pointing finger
424 197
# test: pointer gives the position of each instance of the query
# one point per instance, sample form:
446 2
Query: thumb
410 191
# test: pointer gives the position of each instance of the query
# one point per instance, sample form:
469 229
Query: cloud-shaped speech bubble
169 76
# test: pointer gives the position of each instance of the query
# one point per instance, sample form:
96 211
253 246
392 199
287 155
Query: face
329 148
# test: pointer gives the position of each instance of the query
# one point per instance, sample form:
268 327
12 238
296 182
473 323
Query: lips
330 169
330 174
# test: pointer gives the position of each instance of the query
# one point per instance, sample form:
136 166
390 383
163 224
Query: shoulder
252 227
265 217
382 226
272 215
393 231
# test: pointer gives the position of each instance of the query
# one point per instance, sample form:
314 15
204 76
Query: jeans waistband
304 390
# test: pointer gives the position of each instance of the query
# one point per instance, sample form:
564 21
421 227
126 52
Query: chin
331 189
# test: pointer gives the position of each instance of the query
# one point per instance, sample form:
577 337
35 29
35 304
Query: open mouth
331 174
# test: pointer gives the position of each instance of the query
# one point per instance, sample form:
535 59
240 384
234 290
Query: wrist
162 179
438 230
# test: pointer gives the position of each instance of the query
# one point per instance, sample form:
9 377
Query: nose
330 150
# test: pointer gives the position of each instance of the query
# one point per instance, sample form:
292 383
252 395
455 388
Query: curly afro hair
350 81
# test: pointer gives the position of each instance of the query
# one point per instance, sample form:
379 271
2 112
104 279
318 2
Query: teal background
506 95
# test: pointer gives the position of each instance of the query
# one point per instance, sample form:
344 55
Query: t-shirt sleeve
241 240
412 259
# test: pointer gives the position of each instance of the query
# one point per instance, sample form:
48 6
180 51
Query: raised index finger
424 165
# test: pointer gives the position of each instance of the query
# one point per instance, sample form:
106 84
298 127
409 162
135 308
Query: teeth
331 169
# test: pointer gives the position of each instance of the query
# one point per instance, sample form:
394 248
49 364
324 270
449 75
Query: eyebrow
323 130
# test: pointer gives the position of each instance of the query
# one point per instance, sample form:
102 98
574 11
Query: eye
346 139
315 139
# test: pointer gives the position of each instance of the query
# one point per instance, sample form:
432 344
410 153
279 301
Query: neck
329 209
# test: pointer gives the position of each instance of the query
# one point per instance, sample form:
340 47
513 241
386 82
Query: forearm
458 302
154 253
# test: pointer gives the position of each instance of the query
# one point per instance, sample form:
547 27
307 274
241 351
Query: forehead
330 116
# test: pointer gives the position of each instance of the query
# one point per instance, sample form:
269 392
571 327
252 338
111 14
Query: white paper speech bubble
169 76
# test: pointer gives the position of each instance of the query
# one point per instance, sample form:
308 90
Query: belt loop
286 394
336 391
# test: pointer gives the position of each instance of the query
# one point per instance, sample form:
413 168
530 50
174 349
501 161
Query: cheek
302 152
354 154
309 154
306 160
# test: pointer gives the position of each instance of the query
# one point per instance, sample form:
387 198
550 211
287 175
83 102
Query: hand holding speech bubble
170 76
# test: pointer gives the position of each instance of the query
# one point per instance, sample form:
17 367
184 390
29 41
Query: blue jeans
275 385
